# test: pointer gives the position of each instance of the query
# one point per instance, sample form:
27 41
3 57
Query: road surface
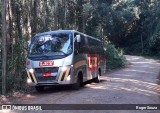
137 83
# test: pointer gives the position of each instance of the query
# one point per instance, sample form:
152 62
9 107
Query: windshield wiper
35 56
53 53
62 52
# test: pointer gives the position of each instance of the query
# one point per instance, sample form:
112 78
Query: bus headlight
31 70
64 68
67 61
29 80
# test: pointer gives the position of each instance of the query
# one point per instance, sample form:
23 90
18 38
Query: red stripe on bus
92 62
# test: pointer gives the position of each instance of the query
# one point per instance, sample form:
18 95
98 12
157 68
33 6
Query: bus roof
65 31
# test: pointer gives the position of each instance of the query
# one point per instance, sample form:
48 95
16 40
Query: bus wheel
96 80
77 85
39 88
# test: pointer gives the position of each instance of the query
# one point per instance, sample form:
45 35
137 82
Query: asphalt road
138 83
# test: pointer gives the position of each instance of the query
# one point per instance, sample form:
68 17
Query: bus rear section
58 57
89 60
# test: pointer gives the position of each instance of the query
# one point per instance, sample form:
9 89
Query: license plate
46 63
46 74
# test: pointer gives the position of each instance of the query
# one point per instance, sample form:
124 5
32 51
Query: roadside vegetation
132 25
114 57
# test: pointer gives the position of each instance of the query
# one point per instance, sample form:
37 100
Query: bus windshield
51 45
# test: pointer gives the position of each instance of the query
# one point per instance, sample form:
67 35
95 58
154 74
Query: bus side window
82 44
92 46
86 45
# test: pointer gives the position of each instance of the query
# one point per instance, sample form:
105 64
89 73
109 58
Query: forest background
124 26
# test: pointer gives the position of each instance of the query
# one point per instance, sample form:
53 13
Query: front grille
47 70
49 78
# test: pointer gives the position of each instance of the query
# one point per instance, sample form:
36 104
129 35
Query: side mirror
78 38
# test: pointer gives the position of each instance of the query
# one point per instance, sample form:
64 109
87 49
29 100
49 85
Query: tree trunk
26 19
65 14
4 48
34 19
79 15
55 14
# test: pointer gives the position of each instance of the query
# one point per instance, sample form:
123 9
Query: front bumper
61 76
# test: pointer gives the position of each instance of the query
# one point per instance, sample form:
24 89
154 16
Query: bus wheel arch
79 81
80 76
97 80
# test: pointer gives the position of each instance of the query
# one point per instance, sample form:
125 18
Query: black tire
97 80
39 88
77 85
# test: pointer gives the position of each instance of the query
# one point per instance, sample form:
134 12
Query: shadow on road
158 79
63 88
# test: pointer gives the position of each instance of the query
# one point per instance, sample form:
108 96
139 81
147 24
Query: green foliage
129 24
0 88
16 77
155 44
114 57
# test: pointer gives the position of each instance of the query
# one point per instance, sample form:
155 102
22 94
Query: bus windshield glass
51 45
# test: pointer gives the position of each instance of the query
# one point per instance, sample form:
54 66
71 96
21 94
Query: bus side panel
80 66
92 66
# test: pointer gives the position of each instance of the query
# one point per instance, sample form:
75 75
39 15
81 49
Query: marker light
29 80
31 70
28 62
